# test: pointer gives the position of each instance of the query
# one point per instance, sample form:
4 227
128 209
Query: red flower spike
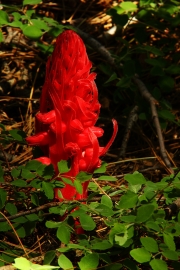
69 109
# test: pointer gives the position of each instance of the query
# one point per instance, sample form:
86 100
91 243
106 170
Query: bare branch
153 102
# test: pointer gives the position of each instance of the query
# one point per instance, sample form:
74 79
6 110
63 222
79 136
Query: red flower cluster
69 109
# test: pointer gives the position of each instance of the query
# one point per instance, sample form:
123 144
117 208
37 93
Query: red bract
69 109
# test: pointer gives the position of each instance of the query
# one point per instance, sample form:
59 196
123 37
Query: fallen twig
130 122
53 204
153 102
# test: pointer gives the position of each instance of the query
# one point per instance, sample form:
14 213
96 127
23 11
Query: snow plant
69 108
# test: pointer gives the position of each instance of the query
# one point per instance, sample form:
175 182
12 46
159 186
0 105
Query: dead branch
153 102
53 204
130 122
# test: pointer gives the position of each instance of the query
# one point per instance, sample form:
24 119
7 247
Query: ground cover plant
128 217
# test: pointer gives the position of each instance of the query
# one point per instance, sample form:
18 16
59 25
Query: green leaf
11 208
3 196
102 245
166 83
159 62
169 241
173 69
128 219
141 255
124 82
67 181
157 71
63 166
121 238
26 174
76 246
40 24
48 190
46 49
16 15
153 225
78 186
128 200
32 32
129 68
32 217
21 220
144 212
64 262
104 210
107 178
89 262
83 176
15 172
111 78
128 6
153 50
22 264
52 224
135 179
102 169
150 244
3 17
157 264
35 199
63 233
1 37
1 174
19 183
31 2
49 256
56 31
48 172
18 135
87 222
167 115
129 264
120 19
106 201
134 188
33 165
50 21
171 255
5 226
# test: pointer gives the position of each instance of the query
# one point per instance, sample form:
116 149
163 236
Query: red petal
106 148
41 138
46 118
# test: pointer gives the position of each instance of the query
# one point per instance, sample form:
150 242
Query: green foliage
32 25
136 224
140 39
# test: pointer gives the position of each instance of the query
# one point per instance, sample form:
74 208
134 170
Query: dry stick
142 88
7 267
23 248
130 122
52 204
153 102
29 109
